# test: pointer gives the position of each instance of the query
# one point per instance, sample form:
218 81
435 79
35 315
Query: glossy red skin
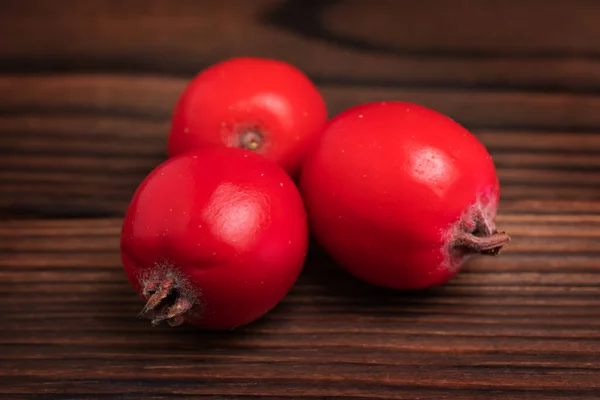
386 186
230 220
243 93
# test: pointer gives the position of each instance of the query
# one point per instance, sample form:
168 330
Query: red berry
401 195
263 105
214 238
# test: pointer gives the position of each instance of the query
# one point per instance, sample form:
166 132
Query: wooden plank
429 42
78 145
153 97
86 92
529 316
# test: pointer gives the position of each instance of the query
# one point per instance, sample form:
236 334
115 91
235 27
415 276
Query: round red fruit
401 195
214 237
267 106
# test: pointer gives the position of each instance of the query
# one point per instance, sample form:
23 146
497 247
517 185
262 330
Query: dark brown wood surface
86 91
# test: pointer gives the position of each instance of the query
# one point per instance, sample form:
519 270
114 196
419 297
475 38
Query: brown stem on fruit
174 313
169 298
476 233
250 140
176 321
158 296
468 243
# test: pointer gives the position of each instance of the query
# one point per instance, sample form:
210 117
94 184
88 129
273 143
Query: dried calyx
168 296
484 238
251 140
470 243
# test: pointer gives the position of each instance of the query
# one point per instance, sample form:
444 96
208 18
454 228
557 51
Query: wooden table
86 90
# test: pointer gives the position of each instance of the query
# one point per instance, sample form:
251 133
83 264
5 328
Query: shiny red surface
230 220
241 94
385 186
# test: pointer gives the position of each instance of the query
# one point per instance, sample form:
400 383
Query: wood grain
86 92
535 44
526 324
80 144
